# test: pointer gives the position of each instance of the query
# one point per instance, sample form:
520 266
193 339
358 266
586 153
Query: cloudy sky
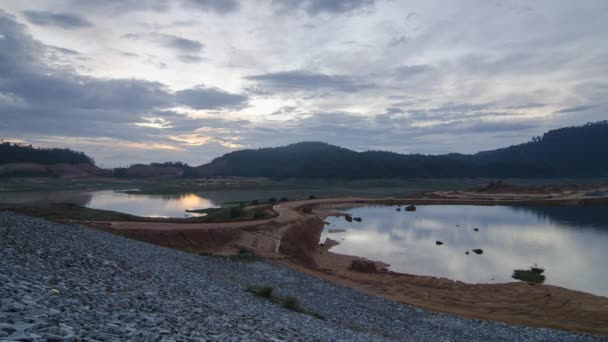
138 81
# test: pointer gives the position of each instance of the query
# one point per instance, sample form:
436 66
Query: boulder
362 265
348 218
438 243
410 208
476 229
398 209
358 219
467 252
477 251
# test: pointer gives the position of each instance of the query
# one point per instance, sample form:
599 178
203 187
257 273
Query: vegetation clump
533 275
288 302
291 303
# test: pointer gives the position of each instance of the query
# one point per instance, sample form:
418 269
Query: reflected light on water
570 248
149 205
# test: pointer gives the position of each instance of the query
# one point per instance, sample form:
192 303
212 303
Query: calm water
135 204
570 243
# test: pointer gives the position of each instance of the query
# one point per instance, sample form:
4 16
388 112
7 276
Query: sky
130 81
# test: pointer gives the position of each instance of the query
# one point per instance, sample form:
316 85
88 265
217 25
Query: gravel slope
70 282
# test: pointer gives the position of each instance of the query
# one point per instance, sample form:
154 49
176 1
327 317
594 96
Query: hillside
26 161
566 152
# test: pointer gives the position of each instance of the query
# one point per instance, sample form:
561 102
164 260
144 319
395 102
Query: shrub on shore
288 302
533 275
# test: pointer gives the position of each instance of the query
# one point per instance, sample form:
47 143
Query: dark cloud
193 59
57 19
202 97
301 80
527 105
220 6
315 7
125 6
180 44
408 71
573 109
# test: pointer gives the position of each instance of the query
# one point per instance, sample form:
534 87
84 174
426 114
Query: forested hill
20 153
580 151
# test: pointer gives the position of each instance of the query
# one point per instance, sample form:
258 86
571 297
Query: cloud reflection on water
570 249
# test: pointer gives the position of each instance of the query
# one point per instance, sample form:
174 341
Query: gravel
68 282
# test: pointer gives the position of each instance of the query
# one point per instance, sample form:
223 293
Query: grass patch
232 213
284 248
201 252
68 211
288 302
244 255
241 255
291 303
533 275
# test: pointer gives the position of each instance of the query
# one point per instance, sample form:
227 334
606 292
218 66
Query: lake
568 242
134 204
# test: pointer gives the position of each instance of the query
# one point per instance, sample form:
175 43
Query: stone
410 208
362 265
477 251
438 243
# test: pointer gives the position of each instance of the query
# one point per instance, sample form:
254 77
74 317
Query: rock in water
476 229
478 251
467 252
410 208
398 209
362 265
348 218
438 243
358 219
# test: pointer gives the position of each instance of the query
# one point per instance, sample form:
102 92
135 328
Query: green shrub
284 248
533 275
265 291
291 303
236 212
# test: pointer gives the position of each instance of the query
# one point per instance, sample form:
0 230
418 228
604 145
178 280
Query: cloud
408 71
302 80
315 7
192 59
573 109
40 99
126 6
180 44
202 97
57 19
219 6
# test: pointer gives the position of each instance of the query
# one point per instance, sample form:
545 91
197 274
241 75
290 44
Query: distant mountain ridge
579 151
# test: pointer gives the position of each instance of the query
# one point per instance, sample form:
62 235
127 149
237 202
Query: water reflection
134 204
569 242
149 205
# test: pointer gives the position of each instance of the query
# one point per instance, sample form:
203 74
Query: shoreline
292 239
